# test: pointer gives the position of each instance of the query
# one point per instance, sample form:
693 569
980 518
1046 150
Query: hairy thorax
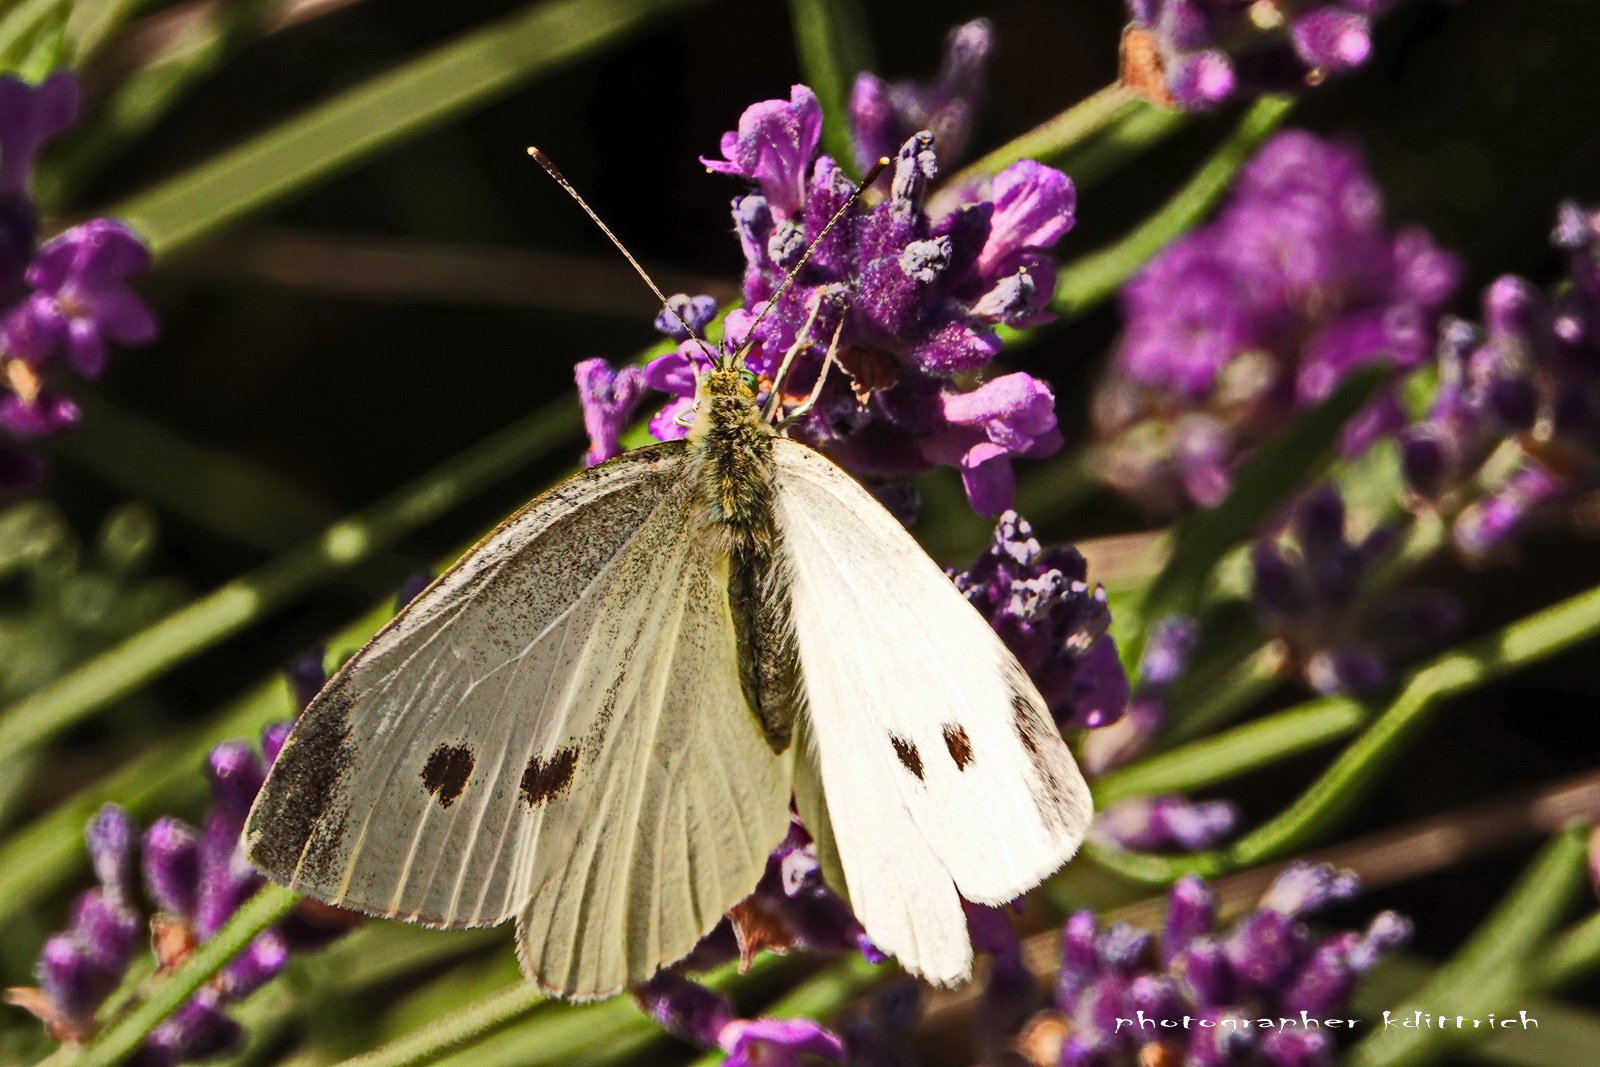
733 446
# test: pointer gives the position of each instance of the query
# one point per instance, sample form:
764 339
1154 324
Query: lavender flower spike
884 114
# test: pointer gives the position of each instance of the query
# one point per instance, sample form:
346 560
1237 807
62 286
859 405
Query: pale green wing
554 730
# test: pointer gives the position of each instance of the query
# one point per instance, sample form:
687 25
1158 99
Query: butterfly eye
750 381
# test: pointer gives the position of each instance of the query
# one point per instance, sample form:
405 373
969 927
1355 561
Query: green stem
119 1040
208 621
832 41
461 1027
1574 954
1511 648
1244 748
1056 136
1493 968
422 93
1092 278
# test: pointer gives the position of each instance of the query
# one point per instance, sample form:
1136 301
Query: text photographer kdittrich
1418 1020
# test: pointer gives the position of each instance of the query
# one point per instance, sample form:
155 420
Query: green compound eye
751 382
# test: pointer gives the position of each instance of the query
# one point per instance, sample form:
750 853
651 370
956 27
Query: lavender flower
197 880
60 304
79 968
1167 652
1246 321
883 115
1514 424
1040 603
1166 823
1315 600
1195 54
912 299
698 1015
1260 989
608 398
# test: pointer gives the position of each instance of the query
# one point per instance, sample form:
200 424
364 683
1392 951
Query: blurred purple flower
1166 823
1167 653
1315 599
1195 54
60 304
883 115
696 1014
1514 424
1244 322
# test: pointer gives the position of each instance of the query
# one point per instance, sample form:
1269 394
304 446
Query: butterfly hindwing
935 751
554 730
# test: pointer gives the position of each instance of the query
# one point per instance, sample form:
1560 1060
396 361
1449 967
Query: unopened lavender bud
695 312
1191 911
306 675
110 839
172 866
1332 39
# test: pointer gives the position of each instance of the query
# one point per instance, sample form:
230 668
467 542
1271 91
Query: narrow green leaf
1240 750
834 46
469 71
462 1027
1493 969
1057 136
1526 641
224 612
1263 481
206 486
1336 791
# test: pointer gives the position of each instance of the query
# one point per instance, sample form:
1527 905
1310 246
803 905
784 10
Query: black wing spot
544 778
910 758
959 744
446 772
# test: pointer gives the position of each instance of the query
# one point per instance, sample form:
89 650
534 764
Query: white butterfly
595 720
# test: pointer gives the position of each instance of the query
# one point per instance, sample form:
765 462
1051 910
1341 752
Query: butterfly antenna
561 180
844 209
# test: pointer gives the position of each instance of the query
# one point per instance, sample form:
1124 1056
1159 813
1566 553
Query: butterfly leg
805 406
800 343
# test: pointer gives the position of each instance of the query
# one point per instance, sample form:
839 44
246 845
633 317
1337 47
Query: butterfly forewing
935 751
553 730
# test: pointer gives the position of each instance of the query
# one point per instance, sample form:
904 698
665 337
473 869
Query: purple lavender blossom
912 299
196 879
82 966
1166 823
1242 990
1166 656
883 115
1040 603
608 397
1514 425
1195 54
1315 600
696 1014
60 304
1246 321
